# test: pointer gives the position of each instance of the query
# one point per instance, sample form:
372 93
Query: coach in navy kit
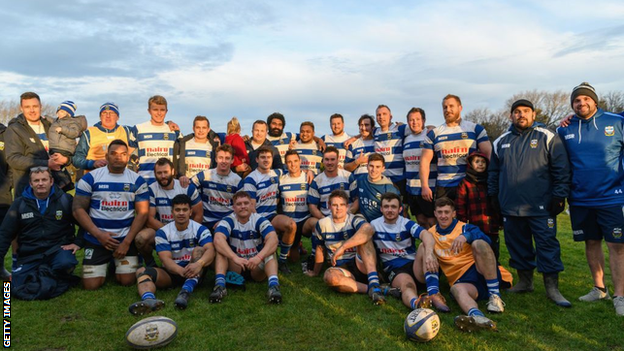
529 176
595 143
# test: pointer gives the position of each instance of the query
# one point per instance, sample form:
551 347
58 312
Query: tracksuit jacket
527 169
595 147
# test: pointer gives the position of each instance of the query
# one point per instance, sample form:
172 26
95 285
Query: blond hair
233 126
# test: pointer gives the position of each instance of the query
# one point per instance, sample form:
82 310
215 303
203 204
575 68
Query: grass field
312 317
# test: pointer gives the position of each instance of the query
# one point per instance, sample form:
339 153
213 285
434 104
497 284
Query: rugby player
371 188
330 179
358 151
337 138
194 153
308 149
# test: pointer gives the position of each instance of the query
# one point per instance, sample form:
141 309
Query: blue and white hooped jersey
390 145
330 236
264 189
39 129
161 199
182 243
281 143
365 147
451 145
153 142
413 145
294 196
113 197
338 143
322 186
216 192
395 242
311 156
198 157
245 239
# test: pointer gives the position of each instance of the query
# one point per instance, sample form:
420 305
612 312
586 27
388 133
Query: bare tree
612 101
11 109
495 123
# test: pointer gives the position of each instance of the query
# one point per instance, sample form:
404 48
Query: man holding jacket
529 178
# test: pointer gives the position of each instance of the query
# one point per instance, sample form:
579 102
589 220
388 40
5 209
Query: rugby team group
386 211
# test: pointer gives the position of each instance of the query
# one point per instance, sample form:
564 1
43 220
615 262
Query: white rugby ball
421 325
152 332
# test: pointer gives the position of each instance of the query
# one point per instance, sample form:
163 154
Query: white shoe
595 294
495 304
618 303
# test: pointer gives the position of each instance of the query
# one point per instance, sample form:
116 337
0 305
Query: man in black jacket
42 221
258 140
529 176
27 145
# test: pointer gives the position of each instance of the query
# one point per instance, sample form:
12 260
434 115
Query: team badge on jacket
59 215
533 143
609 131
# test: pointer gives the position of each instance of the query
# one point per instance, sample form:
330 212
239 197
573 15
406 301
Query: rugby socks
413 302
147 295
433 283
190 284
273 281
373 281
220 280
474 312
283 251
14 260
492 285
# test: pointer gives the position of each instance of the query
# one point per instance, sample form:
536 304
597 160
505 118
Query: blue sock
373 281
220 280
433 283
283 251
273 281
474 312
492 286
413 302
189 284
147 295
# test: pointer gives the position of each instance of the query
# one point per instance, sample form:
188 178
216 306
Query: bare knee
126 279
92 283
480 247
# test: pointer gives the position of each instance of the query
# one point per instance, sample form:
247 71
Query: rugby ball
152 332
421 325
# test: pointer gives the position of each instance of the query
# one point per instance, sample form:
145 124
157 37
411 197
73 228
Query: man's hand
309 176
321 145
72 247
362 159
53 166
240 261
122 249
58 130
426 193
100 163
458 243
173 126
184 181
566 120
253 262
431 263
107 240
59 159
349 142
192 270
292 144
338 253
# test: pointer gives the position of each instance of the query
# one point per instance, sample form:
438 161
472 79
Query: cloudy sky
306 59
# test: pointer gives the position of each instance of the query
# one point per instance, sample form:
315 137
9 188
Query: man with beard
356 159
259 140
161 192
451 143
307 149
283 141
337 138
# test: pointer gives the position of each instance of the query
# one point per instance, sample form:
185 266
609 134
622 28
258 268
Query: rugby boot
495 304
439 302
282 267
388 290
217 294
182 300
376 296
551 283
526 282
474 323
146 306
274 295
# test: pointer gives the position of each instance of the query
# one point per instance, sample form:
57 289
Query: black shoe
376 296
388 290
282 267
182 300
217 294
146 306
274 295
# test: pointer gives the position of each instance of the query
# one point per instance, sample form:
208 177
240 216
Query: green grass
312 317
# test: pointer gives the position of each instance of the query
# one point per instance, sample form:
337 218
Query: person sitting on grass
468 262
184 248
247 241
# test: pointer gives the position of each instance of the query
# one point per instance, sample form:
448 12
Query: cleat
471 324
217 294
388 290
423 301
274 295
146 306
495 304
595 294
182 300
618 303
377 296
439 303
282 267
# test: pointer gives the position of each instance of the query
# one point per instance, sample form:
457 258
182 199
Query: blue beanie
67 106
109 106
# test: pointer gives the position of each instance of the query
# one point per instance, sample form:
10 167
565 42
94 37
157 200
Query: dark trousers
62 261
520 232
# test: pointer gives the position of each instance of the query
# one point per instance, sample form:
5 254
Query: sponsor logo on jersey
157 151
114 206
505 146
442 138
28 215
456 152
58 215
609 131
533 143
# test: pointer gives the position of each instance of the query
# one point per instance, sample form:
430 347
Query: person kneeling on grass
184 248
470 266
353 267
247 241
